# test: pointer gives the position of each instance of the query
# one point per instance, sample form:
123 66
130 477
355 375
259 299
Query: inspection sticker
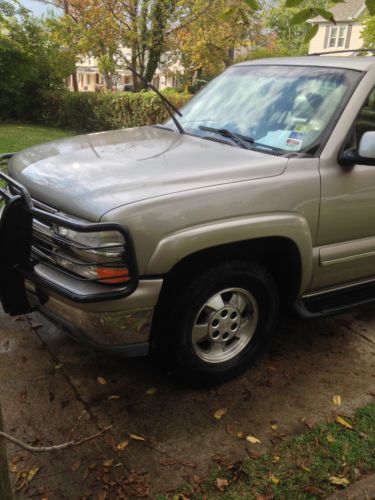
295 139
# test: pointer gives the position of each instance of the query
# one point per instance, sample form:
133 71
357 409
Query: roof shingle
347 10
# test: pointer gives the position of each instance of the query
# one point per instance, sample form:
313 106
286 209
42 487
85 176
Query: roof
354 63
346 11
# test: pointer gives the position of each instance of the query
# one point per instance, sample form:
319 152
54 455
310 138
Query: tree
368 32
210 35
288 37
29 60
89 29
143 27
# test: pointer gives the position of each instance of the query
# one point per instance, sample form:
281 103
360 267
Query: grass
303 468
17 136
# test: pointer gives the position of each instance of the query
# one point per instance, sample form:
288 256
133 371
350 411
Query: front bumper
121 326
111 317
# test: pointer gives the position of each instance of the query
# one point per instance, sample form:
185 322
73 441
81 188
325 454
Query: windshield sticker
295 139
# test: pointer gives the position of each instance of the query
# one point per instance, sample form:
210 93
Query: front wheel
218 324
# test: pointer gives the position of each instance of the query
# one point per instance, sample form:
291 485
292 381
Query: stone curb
363 490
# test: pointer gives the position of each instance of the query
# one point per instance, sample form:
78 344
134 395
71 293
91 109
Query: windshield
283 108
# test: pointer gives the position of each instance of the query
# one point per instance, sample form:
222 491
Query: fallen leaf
197 480
76 466
310 424
221 484
330 438
151 391
343 422
274 479
121 446
187 463
108 463
275 459
114 396
313 489
103 494
22 395
252 439
229 429
338 481
60 365
136 438
169 461
274 427
220 413
336 400
13 468
32 473
101 380
240 435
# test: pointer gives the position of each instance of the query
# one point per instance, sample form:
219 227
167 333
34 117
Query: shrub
92 111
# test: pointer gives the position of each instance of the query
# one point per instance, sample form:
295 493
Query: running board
338 300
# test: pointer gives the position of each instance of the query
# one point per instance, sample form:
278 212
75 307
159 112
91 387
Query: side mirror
365 155
367 146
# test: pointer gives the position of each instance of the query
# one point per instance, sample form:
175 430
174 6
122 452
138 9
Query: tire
214 328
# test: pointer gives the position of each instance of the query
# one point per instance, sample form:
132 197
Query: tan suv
183 239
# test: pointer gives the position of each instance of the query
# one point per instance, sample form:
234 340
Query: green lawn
14 137
309 467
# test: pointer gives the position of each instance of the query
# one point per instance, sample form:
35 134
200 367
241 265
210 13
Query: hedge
93 111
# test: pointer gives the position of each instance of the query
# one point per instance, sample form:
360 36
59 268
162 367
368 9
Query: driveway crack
66 377
360 334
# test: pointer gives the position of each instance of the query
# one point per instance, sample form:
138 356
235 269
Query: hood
88 175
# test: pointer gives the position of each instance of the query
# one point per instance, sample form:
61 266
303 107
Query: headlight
98 256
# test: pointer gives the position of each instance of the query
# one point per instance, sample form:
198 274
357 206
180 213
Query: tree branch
44 449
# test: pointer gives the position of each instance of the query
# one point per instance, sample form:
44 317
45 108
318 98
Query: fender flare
176 246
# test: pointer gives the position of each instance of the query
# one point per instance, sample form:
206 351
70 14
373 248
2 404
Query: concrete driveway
164 435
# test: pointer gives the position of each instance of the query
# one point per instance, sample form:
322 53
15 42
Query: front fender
176 246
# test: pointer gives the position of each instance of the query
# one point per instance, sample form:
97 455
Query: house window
337 36
88 79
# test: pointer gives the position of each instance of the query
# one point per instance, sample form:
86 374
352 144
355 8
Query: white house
345 34
90 79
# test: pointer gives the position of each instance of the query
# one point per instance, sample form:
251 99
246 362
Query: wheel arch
279 255
281 242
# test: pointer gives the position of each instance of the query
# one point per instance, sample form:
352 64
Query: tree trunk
230 58
75 82
5 491
108 82
156 40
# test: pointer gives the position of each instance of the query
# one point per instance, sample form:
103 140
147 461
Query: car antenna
172 110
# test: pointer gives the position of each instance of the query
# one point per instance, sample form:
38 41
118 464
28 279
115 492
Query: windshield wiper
172 110
240 140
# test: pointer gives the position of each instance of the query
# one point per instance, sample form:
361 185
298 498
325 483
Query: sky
37 8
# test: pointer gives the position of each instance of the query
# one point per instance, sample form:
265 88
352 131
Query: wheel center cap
224 324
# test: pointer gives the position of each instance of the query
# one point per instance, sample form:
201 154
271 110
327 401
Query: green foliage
265 52
29 61
368 32
287 21
90 111
370 4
